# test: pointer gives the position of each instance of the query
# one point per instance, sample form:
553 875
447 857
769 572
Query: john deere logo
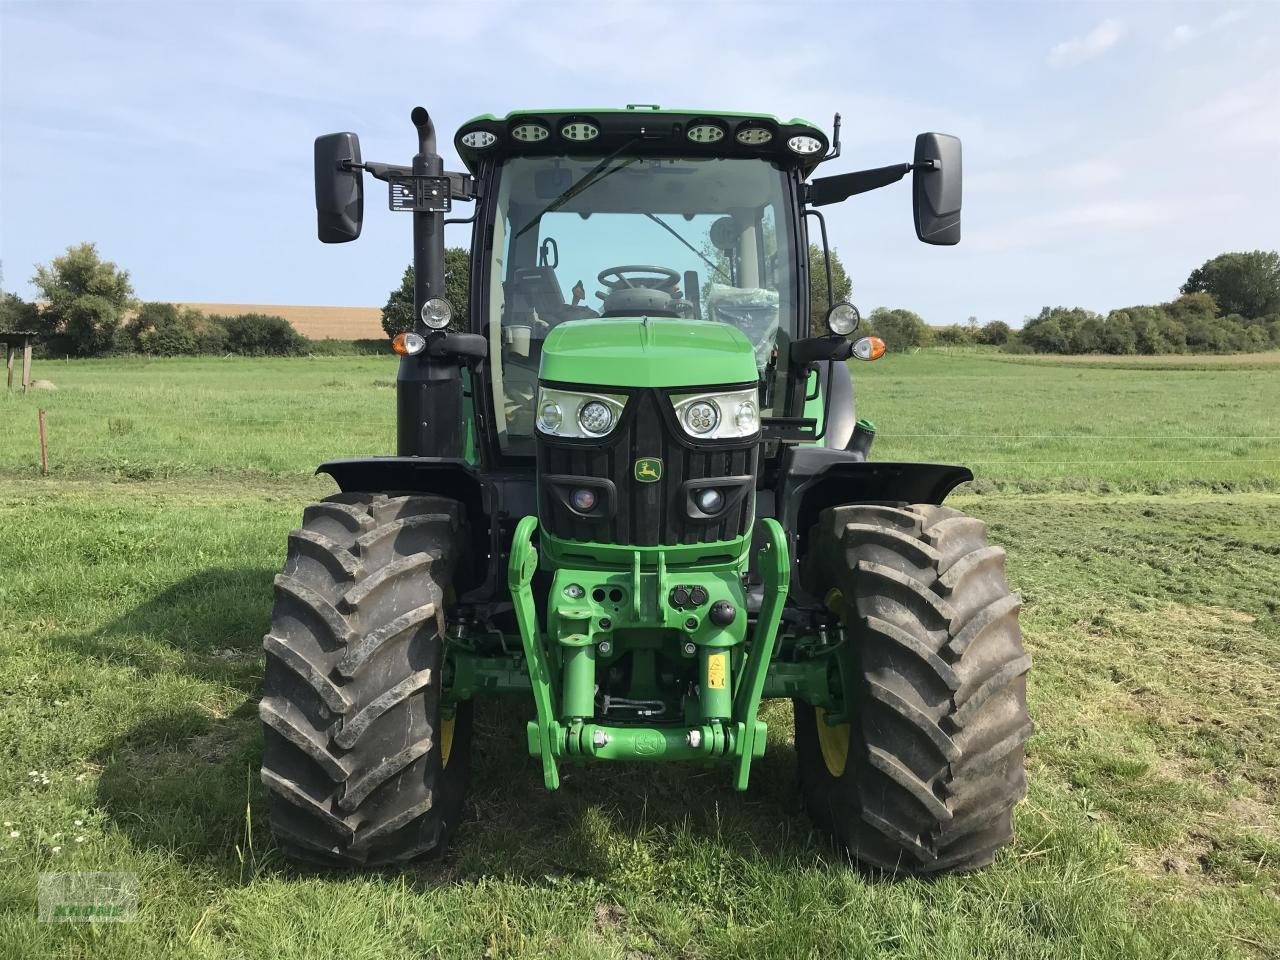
648 469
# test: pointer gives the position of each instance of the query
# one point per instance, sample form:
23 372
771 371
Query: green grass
133 598
1024 424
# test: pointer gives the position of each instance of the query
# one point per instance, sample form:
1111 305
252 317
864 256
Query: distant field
1143 531
1029 426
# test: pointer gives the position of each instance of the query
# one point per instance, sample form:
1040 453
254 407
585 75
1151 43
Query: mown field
1141 510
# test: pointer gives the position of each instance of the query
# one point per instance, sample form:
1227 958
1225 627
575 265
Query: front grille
646 514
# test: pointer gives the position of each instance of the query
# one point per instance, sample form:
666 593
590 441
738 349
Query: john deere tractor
631 489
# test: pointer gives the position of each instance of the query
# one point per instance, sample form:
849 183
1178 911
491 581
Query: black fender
814 478
494 502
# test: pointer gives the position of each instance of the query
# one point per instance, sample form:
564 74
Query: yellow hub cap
446 740
833 741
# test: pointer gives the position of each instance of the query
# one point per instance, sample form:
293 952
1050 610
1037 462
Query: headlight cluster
718 416
581 416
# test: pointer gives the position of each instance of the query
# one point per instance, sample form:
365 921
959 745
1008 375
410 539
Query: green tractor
645 510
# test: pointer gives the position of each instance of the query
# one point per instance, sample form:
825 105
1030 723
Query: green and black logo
648 469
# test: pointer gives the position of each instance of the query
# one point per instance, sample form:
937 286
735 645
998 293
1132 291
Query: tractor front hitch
597 615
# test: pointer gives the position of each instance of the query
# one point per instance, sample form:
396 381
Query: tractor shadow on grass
185 779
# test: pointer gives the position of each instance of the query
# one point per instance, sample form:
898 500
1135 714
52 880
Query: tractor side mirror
936 188
339 187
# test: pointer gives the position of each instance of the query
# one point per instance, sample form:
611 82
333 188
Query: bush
164 330
259 335
954 335
17 314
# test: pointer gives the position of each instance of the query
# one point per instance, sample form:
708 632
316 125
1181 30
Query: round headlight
843 319
595 417
436 313
701 417
583 500
745 418
710 501
550 416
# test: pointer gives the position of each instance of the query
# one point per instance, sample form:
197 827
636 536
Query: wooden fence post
44 447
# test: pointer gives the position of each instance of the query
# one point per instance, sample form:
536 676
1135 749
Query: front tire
361 766
924 775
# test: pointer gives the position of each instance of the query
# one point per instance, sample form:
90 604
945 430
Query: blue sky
1109 148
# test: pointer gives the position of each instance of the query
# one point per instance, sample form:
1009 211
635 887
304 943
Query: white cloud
1180 36
1096 42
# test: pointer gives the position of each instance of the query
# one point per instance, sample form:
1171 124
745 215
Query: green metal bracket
524 561
775 569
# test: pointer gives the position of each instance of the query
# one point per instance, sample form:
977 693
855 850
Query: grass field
1141 511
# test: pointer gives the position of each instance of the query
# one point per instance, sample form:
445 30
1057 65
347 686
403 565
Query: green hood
648 353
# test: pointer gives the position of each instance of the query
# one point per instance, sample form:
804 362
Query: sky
1108 148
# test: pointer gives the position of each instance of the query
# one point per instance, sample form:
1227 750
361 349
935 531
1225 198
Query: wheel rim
833 739
446 739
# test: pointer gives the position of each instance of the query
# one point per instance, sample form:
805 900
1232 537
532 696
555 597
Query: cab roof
641 128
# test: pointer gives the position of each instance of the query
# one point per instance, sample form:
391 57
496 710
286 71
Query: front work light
478 139
843 319
580 131
436 313
705 133
530 133
804 145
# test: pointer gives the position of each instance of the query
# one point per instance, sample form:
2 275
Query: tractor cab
636 215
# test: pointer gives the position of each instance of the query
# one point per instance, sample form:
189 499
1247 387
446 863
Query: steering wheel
660 278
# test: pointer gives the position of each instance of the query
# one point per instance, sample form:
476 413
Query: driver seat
538 288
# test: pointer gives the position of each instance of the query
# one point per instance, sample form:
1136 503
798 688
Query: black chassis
794 490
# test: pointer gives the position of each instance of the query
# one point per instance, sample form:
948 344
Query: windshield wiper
705 259
594 175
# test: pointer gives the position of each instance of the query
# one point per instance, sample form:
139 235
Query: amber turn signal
869 348
408 344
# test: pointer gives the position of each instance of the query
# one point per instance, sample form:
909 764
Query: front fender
814 478
492 503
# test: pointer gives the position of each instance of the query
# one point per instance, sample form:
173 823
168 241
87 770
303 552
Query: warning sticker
717 664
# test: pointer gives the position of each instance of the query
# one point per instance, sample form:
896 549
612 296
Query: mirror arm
845 185
462 186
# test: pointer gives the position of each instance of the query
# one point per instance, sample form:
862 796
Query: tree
1247 284
17 314
994 334
899 329
841 288
397 315
86 297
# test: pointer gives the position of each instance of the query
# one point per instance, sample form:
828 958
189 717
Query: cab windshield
627 236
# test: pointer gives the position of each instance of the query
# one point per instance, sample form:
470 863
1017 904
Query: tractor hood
647 352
